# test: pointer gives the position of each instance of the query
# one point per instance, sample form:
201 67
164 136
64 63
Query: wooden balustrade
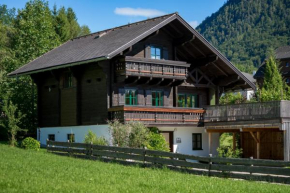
158 115
131 66
247 111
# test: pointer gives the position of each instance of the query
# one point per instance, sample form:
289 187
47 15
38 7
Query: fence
249 169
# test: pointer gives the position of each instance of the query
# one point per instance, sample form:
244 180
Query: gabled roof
108 43
281 53
100 45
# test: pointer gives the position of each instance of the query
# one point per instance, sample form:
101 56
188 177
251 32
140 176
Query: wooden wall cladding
93 97
161 39
272 145
48 102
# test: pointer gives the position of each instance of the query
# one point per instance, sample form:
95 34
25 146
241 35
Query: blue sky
99 15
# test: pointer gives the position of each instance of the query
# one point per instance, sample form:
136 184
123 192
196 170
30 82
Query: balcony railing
144 67
158 115
248 111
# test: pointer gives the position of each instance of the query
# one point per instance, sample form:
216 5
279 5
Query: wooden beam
184 40
255 138
215 65
204 61
259 129
209 143
222 130
258 145
227 81
198 49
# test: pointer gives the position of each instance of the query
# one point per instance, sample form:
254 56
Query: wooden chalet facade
159 71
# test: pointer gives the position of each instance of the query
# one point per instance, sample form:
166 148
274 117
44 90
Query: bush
229 152
157 142
138 137
91 137
120 133
30 143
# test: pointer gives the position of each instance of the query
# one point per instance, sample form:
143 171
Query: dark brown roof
104 44
108 43
281 53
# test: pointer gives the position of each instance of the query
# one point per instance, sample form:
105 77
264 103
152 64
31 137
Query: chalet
161 72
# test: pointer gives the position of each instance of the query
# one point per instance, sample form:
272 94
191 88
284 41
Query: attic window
287 80
287 64
158 52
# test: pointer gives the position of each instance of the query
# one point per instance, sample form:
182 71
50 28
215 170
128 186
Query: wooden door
168 135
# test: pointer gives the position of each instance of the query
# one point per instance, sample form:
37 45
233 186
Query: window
287 80
67 81
187 100
287 64
131 97
196 141
157 98
71 137
155 52
51 137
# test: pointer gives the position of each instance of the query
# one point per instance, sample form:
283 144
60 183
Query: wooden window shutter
141 97
148 98
165 53
166 98
147 52
121 96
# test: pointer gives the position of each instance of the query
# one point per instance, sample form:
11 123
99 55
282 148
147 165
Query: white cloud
193 24
128 11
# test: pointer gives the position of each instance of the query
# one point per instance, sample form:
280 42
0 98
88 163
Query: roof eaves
216 51
59 66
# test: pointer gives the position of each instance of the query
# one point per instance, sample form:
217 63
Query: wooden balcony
143 67
152 116
266 113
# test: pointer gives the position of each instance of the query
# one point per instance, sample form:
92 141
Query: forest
245 31
24 35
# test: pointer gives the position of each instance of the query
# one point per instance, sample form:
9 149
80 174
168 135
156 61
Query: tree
85 30
273 87
91 137
62 25
11 121
35 32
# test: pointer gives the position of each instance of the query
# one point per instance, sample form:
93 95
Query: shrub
30 143
120 133
138 137
157 142
229 152
91 137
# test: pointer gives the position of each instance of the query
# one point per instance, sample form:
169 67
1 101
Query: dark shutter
121 96
141 100
166 98
148 98
147 51
165 53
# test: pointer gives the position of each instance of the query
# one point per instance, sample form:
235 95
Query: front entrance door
168 135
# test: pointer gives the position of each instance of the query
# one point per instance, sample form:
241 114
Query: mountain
246 31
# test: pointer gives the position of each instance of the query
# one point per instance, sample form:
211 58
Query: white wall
79 131
185 134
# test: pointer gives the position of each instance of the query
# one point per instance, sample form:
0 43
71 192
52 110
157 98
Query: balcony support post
209 143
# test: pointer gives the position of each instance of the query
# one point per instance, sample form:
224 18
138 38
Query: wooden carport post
234 141
209 143
257 139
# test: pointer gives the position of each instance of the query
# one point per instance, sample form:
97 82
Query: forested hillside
246 30
25 35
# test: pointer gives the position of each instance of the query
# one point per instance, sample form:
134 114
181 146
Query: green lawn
29 171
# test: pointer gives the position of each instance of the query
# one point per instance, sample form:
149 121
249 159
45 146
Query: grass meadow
31 171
